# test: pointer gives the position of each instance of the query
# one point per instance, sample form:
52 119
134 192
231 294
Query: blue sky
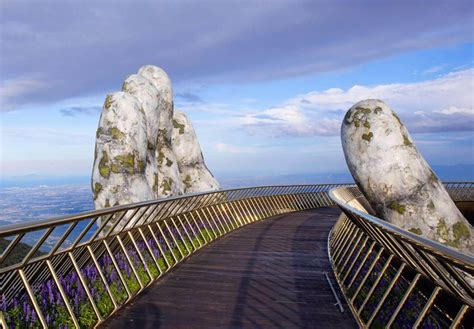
266 84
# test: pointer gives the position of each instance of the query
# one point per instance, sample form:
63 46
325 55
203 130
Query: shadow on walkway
265 275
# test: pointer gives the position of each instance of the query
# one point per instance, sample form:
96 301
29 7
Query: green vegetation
460 232
108 101
442 230
180 126
116 133
397 118
406 141
141 166
104 169
397 207
415 230
431 205
97 189
368 137
187 181
166 185
126 162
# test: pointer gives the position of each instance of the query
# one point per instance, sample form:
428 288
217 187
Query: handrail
448 254
364 249
25 226
106 257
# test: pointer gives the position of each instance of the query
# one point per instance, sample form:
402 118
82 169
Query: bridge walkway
265 275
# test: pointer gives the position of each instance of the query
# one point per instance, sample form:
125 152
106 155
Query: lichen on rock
117 159
194 173
395 178
134 157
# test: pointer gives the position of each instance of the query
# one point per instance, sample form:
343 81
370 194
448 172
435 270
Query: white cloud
433 69
11 89
456 110
442 104
236 149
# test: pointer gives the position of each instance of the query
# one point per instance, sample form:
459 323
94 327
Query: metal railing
394 278
76 271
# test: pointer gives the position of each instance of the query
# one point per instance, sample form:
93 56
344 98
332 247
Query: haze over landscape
266 85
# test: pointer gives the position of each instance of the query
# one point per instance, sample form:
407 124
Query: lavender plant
19 312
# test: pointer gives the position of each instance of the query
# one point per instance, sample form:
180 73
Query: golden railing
76 271
394 278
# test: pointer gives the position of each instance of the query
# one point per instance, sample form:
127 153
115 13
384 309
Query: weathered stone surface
168 181
118 175
194 173
135 159
395 178
146 93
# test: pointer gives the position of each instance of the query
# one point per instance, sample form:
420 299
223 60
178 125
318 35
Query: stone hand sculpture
194 173
395 178
143 150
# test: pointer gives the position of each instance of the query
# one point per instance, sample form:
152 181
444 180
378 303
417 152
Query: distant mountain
458 172
36 180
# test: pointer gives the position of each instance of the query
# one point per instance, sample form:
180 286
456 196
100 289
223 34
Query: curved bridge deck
265 275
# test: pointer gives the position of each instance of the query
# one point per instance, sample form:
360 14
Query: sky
265 83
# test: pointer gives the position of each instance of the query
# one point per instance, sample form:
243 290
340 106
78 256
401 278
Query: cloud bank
439 105
54 50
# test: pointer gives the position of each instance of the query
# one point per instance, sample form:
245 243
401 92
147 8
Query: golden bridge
303 256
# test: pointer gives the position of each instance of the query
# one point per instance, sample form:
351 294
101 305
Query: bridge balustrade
79 270
395 278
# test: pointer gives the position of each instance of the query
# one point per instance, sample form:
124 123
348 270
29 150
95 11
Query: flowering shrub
19 312
411 308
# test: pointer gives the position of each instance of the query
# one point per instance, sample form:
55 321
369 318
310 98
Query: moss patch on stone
395 206
104 169
166 185
169 163
98 132
357 115
161 156
377 110
163 138
442 230
155 183
126 162
107 203
116 133
406 141
363 110
108 101
115 168
415 230
141 166
367 124
397 118
460 232
347 118
180 126
125 86
368 137
187 181
151 146
431 205
97 188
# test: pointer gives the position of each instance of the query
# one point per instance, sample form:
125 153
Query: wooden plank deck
264 275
